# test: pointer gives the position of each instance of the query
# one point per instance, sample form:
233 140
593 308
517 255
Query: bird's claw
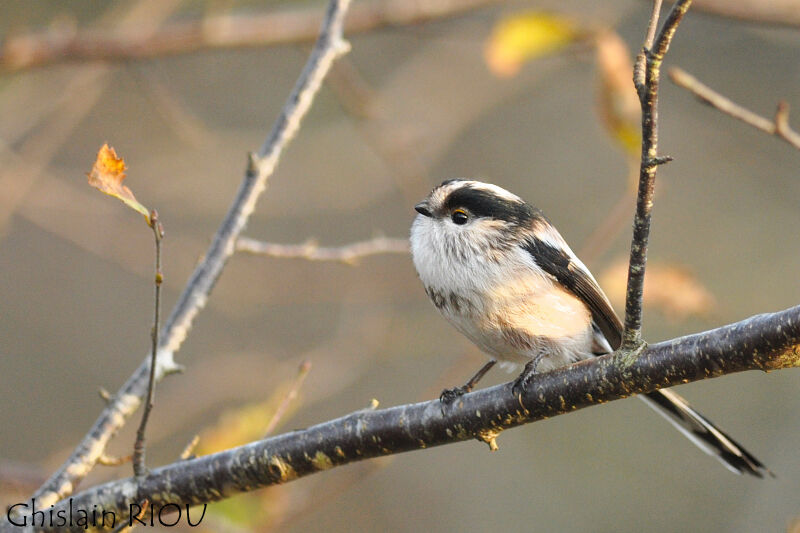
521 384
525 378
448 396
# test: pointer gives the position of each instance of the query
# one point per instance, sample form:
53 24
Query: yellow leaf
236 427
618 103
107 175
248 422
253 511
668 287
525 36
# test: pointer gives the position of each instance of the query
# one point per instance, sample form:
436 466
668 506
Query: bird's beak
423 209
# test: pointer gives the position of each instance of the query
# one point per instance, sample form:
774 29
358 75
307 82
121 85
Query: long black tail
704 433
677 411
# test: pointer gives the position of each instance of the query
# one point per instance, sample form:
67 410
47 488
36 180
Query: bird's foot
448 396
525 378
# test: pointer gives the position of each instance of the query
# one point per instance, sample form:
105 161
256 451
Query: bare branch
104 394
224 31
329 46
648 97
778 126
641 60
188 450
108 460
667 32
349 253
762 342
139 446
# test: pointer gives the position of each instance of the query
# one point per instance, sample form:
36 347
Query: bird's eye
459 217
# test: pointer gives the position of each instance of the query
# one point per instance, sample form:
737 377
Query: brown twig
108 460
139 468
188 450
222 31
647 90
650 35
329 46
280 411
104 395
778 126
349 253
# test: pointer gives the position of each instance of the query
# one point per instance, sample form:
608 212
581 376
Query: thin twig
222 31
349 253
769 341
139 468
778 126
648 97
188 450
650 35
329 46
108 460
104 395
652 25
280 411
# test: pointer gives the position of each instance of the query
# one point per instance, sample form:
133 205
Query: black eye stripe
482 203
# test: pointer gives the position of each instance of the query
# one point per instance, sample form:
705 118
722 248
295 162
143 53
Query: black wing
559 263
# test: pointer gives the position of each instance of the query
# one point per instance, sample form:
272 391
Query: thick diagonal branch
328 47
763 342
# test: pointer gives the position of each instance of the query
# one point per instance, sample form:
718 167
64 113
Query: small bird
499 272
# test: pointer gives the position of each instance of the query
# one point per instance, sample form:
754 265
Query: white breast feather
517 312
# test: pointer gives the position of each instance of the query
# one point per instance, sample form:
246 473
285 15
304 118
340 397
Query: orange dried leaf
107 175
526 36
668 287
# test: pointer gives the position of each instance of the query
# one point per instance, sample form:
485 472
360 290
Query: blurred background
533 96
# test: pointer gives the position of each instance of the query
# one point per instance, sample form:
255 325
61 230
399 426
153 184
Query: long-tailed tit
499 272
